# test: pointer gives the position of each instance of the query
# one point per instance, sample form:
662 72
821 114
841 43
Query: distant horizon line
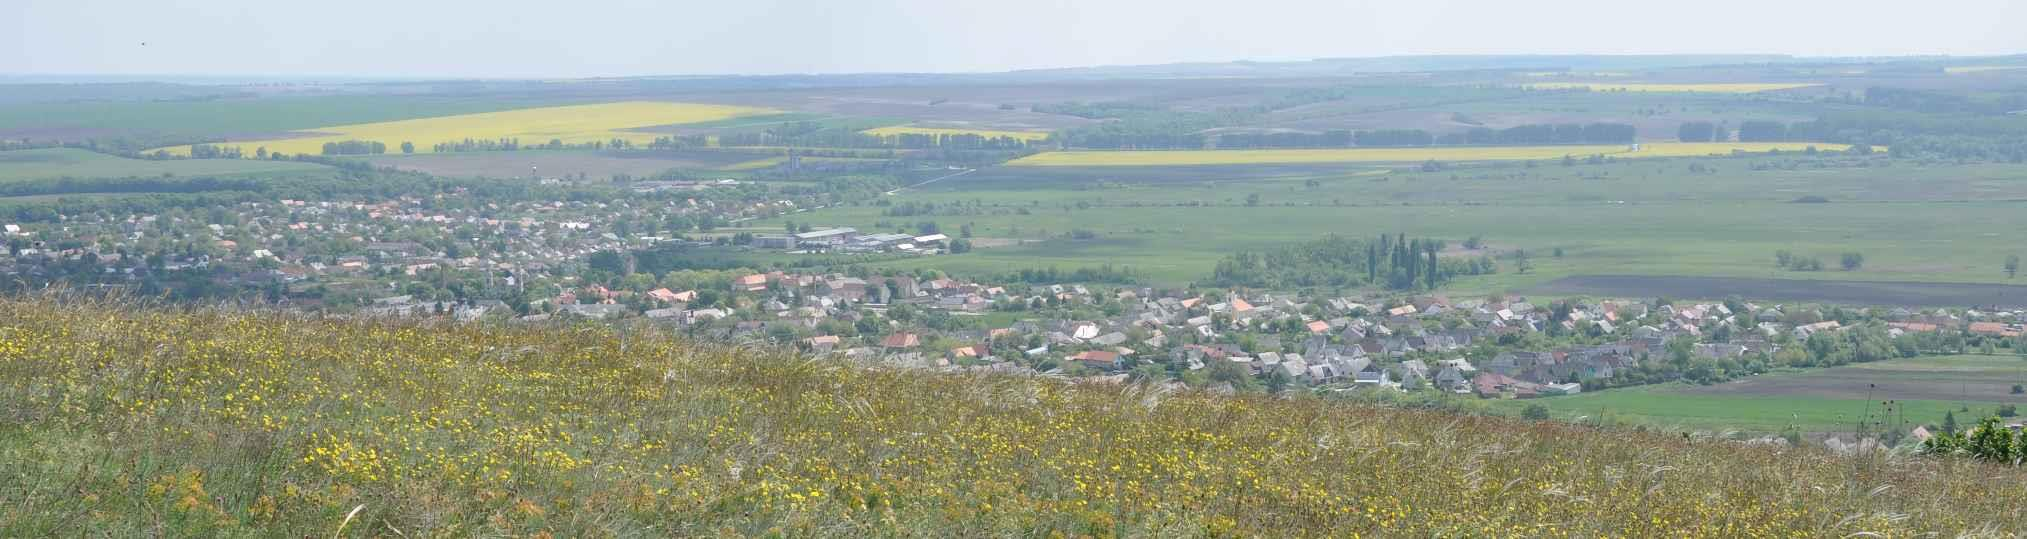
258 78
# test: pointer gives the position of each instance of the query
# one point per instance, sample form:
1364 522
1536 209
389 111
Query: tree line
1050 275
1531 134
355 147
1395 262
812 134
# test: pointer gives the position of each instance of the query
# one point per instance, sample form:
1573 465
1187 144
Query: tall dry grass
125 421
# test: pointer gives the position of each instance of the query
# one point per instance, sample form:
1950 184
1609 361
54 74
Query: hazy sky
551 38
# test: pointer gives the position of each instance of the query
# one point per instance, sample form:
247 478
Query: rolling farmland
1711 87
1380 155
572 124
50 163
566 162
1650 217
1965 70
987 133
240 119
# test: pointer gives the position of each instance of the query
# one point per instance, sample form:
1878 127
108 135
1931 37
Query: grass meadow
1811 400
51 163
135 421
1637 217
572 124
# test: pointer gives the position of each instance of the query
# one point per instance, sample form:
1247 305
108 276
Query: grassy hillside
128 422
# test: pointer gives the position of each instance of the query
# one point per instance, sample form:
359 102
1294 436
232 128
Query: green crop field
1706 87
1398 155
1815 400
1628 217
222 117
40 164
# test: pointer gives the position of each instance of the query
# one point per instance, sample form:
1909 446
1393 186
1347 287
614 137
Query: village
538 261
473 258
450 247
1226 340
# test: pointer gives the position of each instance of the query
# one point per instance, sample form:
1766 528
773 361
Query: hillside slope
123 421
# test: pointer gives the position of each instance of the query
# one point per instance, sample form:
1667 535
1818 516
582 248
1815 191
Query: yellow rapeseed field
573 124
1964 70
1715 87
1438 153
987 133
756 163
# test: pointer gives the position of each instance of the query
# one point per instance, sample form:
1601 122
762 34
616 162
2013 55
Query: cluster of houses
367 243
1418 343
799 301
1414 343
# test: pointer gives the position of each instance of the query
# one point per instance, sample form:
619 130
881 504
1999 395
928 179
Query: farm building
773 242
828 237
882 241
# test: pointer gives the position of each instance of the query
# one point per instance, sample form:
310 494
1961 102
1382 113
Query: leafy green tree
1231 372
1277 380
2012 266
1992 441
